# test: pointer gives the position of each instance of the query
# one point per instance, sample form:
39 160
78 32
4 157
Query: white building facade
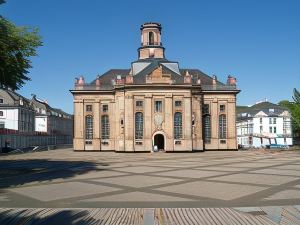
16 112
263 124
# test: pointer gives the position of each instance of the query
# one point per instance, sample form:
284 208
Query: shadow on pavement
20 172
46 216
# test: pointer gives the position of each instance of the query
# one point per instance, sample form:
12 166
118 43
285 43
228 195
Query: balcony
151 44
219 87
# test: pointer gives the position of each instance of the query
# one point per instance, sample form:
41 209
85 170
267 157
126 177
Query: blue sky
257 41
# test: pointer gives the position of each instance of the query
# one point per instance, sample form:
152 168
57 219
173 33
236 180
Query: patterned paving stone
256 179
286 194
98 174
61 191
222 168
213 190
138 180
140 169
252 164
290 167
137 196
191 173
278 172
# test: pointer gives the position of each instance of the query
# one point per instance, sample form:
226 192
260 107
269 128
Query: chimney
214 80
187 78
129 79
231 81
76 81
199 81
81 80
98 81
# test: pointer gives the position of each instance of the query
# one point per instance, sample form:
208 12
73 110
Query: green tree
294 108
296 96
17 46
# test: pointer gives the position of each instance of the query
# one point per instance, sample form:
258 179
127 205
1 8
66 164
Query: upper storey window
222 108
158 106
89 108
139 103
177 103
105 108
1 100
206 109
151 38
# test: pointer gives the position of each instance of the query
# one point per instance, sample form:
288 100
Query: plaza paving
236 187
63 178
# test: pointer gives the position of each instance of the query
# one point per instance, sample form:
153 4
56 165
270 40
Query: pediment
285 114
158 77
261 113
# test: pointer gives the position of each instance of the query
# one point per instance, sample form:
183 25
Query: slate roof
50 110
140 78
15 97
264 107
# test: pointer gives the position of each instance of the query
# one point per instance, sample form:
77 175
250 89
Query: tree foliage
294 108
296 96
17 46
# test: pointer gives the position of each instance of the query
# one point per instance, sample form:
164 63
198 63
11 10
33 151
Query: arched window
222 126
139 125
89 127
177 125
105 127
207 128
151 38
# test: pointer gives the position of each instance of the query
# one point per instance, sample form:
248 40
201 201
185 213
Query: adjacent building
51 120
154 104
23 115
263 124
16 112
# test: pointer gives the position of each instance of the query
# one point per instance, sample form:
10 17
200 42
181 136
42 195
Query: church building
154 105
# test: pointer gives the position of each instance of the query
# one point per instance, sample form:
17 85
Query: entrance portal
159 141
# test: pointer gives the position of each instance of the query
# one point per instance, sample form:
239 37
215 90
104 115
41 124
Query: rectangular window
177 125
89 128
177 103
89 108
1 113
270 129
1 100
260 120
105 127
158 106
222 127
274 120
2 125
139 125
261 129
270 120
274 129
139 103
105 108
207 129
206 109
222 108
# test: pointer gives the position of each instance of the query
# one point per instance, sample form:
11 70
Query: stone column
112 117
129 123
168 124
187 129
214 124
120 129
148 122
231 124
78 125
97 133
197 135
